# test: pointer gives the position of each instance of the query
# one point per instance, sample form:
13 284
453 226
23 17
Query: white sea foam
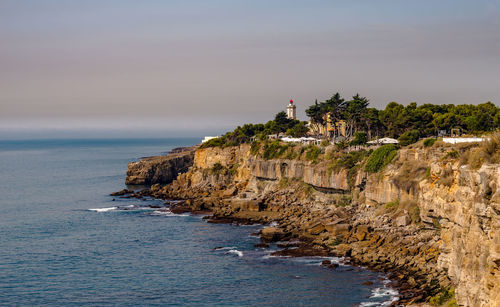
166 213
273 224
224 248
382 293
236 252
103 209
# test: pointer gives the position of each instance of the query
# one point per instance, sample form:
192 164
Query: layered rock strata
160 169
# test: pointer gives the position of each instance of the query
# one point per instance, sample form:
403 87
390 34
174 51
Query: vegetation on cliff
488 151
380 158
407 123
248 132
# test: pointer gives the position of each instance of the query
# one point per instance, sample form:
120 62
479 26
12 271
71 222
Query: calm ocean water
56 251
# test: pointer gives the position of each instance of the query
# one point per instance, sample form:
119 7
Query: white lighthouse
290 110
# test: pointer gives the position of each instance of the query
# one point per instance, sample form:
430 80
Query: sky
170 68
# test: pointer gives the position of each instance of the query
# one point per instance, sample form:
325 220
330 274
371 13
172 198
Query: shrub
380 158
446 178
350 159
488 151
276 150
312 153
451 155
341 145
254 148
291 154
271 150
360 138
325 143
234 169
409 137
392 205
445 295
429 142
217 142
217 169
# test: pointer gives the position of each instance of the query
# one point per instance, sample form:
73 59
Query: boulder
362 232
338 229
316 229
343 250
272 234
402 221
229 192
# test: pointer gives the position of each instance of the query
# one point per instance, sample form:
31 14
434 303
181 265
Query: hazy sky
210 65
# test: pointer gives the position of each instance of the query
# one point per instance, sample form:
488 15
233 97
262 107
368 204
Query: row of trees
243 134
397 120
407 123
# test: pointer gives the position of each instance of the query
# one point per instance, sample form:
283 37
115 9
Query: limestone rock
402 221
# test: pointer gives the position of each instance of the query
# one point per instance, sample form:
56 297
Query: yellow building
330 128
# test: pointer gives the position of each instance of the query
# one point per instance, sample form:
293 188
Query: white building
290 110
208 138
383 141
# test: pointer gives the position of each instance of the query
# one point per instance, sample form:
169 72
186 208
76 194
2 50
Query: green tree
300 129
394 119
360 138
353 112
335 107
372 122
409 137
316 113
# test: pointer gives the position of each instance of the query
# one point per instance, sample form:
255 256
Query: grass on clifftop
279 150
380 158
488 151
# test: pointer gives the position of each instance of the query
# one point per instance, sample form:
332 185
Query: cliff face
425 215
468 215
315 175
159 169
461 206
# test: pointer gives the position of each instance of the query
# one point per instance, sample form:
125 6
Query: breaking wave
103 209
236 252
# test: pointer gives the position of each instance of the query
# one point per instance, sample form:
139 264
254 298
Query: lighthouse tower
290 110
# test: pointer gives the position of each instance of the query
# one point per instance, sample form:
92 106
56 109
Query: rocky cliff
159 169
429 220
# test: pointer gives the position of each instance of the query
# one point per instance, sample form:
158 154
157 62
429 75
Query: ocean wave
166 213
224 248
128 208
236 252
103 209
384 292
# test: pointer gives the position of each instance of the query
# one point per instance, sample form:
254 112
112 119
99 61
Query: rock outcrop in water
159 169
432 222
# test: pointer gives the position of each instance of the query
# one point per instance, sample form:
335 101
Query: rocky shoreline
405 221
290 246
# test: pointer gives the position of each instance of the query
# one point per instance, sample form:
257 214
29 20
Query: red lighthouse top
291 101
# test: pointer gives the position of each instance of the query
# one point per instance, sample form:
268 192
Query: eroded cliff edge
160 169
426 217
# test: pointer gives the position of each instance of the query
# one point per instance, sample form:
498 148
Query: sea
64 241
